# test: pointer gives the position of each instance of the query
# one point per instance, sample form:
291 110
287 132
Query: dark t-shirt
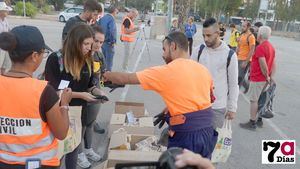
48 99
126 23
54 76
222 32
70 24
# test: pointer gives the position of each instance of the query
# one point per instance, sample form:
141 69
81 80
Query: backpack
60 62
231 52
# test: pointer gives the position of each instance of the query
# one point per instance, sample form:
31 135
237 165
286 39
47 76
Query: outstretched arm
121 78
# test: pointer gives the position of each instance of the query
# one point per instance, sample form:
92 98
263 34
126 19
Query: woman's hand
66 97
88 97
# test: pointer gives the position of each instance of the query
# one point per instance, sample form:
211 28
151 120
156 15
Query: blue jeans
108 51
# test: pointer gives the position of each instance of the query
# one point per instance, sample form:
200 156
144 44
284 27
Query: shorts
255 90
201 141
5 62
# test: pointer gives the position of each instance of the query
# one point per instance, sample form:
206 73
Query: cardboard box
128 156
118 120
145 125
138 109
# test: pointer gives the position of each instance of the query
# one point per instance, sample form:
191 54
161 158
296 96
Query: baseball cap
29 39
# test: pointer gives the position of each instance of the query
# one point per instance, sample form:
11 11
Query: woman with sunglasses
32 117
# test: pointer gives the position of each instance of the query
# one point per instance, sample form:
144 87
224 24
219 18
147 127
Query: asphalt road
246 150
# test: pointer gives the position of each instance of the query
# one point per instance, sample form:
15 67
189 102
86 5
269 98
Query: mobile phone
101 97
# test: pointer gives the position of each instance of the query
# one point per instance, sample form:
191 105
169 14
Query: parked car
68 13
69 4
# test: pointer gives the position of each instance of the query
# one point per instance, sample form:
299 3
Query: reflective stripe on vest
18 148
125 36
48 155
23 134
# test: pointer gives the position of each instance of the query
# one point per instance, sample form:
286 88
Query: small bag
223 147
73 138
265 101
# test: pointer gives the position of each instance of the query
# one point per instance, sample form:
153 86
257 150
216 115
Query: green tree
31 10
58 4
251 9
140 4
182 8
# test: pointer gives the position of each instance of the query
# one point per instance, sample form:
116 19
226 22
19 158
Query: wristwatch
64 107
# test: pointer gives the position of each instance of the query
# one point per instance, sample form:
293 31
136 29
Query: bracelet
93 89
65 107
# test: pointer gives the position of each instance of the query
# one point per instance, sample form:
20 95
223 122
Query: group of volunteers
198 97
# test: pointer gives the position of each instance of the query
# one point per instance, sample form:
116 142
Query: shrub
46 9
31 10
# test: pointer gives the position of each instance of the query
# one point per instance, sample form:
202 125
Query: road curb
38 17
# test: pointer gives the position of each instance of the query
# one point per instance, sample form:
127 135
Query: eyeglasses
46 53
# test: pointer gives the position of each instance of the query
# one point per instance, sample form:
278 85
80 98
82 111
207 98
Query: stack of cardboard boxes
132 136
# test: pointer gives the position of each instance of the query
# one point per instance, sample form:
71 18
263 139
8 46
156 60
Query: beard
168 58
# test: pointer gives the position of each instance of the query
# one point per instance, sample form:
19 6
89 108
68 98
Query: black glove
160 118
112 86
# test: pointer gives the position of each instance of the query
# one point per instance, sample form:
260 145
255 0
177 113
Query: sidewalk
38 16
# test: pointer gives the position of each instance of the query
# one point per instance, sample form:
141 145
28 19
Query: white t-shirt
226 90
4 27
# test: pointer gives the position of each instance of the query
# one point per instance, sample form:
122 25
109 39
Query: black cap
258 24
29 38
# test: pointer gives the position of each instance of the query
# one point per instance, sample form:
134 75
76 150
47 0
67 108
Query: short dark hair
248 24
179 38
112 9
92 5
97 29
232 25
209 22
258 24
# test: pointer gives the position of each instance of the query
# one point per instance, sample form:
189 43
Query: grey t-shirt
98 60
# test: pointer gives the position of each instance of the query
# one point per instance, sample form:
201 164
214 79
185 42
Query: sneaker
259 122
90 154
82 161
250 125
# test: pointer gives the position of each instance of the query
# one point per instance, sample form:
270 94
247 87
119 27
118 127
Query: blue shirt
109 27
190 30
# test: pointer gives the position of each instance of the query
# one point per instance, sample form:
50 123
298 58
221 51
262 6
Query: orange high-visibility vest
23 134
125 36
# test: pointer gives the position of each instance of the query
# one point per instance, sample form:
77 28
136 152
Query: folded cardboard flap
117 140
122 138
118 119
146 122
138 109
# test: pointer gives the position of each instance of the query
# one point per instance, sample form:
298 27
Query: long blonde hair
74 60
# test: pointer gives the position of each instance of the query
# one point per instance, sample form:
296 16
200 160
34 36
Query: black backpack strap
231 52
60 60
248 38
202 46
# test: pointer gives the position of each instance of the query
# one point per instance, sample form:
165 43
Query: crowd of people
198 99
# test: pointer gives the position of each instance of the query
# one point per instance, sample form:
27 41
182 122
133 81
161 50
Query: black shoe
259 122
98 129
250 125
